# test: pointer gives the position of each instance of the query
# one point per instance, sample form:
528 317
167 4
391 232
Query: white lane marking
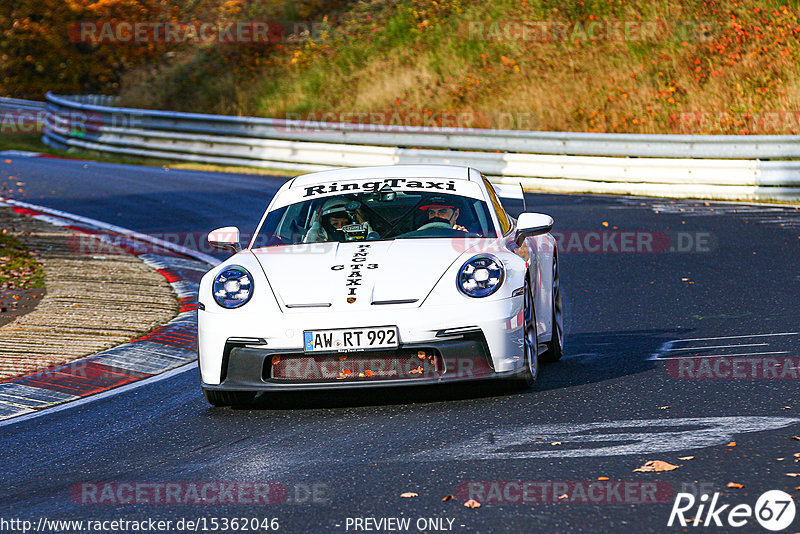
739 337
675 345
725 355
665 347
98 396
718 346
579 440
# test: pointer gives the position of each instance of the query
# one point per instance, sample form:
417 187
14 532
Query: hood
373 271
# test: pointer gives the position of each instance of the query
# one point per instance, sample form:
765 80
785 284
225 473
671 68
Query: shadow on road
597 356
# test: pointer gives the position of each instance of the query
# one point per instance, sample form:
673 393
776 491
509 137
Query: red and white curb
165 349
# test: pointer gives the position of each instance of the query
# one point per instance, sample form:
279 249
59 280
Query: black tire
555 347
229 398
525 379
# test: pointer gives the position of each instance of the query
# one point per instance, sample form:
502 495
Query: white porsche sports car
380 276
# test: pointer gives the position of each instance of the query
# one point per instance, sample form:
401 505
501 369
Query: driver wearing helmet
332 219
441 211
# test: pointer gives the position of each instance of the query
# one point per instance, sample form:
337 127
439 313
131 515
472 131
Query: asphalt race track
692 281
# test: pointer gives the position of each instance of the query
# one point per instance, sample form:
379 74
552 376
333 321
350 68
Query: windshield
382 214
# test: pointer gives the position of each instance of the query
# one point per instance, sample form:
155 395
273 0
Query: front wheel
555 347
530 373
229 398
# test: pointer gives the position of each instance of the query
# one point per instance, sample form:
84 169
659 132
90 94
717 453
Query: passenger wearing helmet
441 211
338 220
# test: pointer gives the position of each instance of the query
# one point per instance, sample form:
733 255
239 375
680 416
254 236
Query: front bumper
248 367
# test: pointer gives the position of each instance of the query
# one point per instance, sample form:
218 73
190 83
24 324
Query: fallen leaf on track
686 458
731 444
602 478
796 438
793 474
472 503
655 465
448 498
563 496
409 494
664 407
555 443
735 485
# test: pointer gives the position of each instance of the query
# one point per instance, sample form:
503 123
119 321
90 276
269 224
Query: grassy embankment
684 66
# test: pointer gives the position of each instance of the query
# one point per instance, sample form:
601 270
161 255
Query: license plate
350 339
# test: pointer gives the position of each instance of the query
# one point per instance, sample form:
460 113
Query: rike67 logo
774 510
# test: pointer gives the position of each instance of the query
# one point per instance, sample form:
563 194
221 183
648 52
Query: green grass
31 142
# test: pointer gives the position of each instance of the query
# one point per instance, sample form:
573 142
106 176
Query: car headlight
480 276
233 287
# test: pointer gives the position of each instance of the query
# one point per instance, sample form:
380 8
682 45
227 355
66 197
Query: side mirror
226 238
532 224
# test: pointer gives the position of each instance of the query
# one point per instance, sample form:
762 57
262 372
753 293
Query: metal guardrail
18 104
530 142
546 160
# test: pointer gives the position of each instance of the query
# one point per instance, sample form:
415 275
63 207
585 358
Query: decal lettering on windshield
403 183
